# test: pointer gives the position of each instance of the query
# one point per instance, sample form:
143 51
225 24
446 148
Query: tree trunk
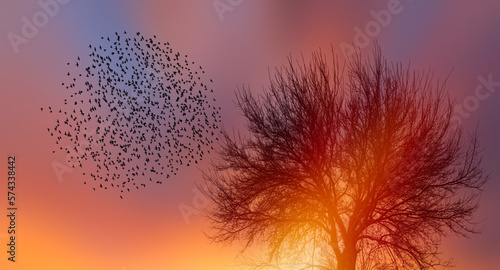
350 263
348 260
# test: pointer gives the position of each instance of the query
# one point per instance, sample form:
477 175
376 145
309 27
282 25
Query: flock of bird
136 112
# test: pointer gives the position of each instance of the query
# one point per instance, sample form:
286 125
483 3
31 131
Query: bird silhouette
136 112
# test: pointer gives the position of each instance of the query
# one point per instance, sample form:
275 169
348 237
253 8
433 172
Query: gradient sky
66 225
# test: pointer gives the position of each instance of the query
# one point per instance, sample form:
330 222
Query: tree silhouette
362 171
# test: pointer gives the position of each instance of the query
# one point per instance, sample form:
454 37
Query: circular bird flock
136 112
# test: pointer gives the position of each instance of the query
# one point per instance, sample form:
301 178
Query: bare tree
362 171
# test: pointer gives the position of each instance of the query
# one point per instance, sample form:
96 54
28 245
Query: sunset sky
64 224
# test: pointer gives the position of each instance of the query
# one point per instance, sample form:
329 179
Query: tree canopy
358 169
